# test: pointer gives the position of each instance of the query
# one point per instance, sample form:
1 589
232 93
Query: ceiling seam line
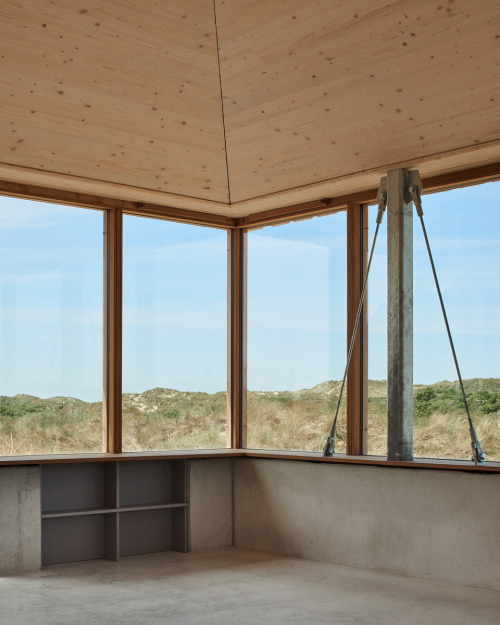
222 104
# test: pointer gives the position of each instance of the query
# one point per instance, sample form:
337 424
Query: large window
51 329
159 332
296 333
463 226
174 335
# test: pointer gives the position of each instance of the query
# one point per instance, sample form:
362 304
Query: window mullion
357 376
113 277
237 302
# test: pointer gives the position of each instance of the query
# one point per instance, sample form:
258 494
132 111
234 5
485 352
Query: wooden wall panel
315 91
119 91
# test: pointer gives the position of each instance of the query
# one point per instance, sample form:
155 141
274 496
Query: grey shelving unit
94 510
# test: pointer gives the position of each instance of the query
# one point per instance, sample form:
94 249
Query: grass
30 425
168 419
440 425
297 421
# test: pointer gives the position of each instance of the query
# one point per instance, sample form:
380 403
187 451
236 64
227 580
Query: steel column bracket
414 180
382 199
415 189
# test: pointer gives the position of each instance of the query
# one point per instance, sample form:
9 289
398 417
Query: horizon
265 391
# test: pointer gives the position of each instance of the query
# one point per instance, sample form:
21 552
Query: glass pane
51 328
296 333
377 338
174 335
463 226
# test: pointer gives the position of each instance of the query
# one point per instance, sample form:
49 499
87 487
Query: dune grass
161 419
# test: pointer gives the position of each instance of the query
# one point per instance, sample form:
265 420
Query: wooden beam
113 274
87 200
467 177
432 184
304 210
237 364
156 211
357 376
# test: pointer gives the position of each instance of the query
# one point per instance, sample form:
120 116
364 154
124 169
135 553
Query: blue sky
296 303
297 298
463 226
174 306
175 299
51 300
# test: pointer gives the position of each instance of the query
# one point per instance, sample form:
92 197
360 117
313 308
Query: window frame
356 206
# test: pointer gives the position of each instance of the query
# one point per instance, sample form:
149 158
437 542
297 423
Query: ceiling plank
121 92
319 91
122 100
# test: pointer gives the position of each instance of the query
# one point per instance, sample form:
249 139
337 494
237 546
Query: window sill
126 456
380 461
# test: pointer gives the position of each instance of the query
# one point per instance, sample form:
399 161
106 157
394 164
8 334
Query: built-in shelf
83 512
108 509
160 506
86 511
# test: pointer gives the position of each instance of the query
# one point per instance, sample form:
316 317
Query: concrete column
399 317
211 503
20 520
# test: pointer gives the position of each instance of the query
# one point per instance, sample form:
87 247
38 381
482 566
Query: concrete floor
233 586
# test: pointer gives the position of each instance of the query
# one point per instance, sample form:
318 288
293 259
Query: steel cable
478 454
329 448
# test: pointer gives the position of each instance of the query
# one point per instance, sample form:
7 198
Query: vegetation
440 423
168 419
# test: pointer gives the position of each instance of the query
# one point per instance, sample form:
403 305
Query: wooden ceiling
302 100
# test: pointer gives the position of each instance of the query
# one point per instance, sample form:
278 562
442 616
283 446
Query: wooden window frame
237 339
357 375
113 211
112 320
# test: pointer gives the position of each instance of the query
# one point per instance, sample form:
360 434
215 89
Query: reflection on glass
296 333
463 227
174 335
51 328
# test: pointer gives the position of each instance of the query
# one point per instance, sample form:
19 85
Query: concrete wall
440 525
20 527
211 503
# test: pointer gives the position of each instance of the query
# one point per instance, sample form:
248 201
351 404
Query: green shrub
423 402
485 401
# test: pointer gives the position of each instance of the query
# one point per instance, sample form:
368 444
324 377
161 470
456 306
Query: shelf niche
112 509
